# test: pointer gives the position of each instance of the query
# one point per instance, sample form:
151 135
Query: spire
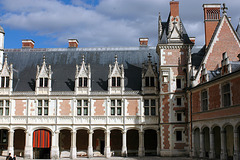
224 8
159 27
149 58
5 58
44 58
83 59
115 58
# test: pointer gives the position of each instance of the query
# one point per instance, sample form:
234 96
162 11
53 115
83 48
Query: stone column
158 143
141 144
223 145
107 151
10 142
28 151
73 145
124 143
90 147
193 145
55 147
212 145
202 150
236 155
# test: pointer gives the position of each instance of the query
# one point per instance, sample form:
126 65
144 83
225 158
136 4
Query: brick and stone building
175 99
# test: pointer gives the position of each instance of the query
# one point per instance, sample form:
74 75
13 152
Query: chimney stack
27 43
73 43
192 39
211 19
174 8
143 41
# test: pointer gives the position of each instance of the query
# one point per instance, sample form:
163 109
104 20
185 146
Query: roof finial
5 58
83 58
115 58
44 58
224 8
149 57
174 21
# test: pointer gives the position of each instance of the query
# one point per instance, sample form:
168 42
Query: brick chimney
192 39
27 43
211 19
174 8
72 43
143 41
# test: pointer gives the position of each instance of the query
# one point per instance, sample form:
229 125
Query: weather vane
224 8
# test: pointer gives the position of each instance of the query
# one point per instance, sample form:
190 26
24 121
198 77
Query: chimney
27 43
192 39
143 41
174 8
72 43
211 19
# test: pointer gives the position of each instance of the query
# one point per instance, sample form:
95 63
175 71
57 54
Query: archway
116 142
41 144
98 143
64 143
206 136
150 142
197 142
132 142
217 141
229 141
19 142
82 143
3 141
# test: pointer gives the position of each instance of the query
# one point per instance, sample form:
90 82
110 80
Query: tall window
149 107
116 81
179 116
178 135
179 101
226 101
149 81
4 107
4 82
3 136
204 99
82 82
179 83
43 107
82 107
43 82
116 107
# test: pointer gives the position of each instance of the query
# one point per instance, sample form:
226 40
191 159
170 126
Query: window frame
149 81
150 107
178 85
115 108
82 82
228 93
116 81
4 107
204 100
5 81
82 106
177 136
43 82
177 102
43 109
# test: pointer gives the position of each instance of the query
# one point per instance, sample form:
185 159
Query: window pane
85 103
152 81
45 82
85 82
7 102
146 102
119 111
1 102
146 111
179 83
179 135
179 101
112 102
41 82
118 82
153 111
85 111
2 83
80 82
79 102
6 111
119 102
39 111
153 102
4 137
146 81
79 111
179 116
112 111
1 111
113 81
45 102
39 102
7 81
45 111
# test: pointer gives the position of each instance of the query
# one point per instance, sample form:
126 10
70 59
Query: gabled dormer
149 77
226 66
116 78
43 78
6 78
204 74
83 78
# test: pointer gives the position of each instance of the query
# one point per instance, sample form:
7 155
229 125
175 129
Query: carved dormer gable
83 78
149 77
204 74
175 30
6 80
226 66
116 78
43 78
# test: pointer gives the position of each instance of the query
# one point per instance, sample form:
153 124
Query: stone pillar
236 155
223 145
10 142
212 145
28 151
158 143
202 150
73 150
141 144
90 147
193 154
55 147
124 143
107 151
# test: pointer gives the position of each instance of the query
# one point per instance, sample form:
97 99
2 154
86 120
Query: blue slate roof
63 63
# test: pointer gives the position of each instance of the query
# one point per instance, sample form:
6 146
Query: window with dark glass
146 81
82 82
85 82
149 81
41 82
179 116
4 107
2 82
179 135
149 107
226 100
113 81
116 107
43 107
45 82
116 81
179 101
204 99
7 81
178 83
82 107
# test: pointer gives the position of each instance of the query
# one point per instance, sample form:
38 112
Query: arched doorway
41 144
229 141
197 142
98 143
132 142
217 141
3 141
206 136
116 142
82 143
150 142
64 143
19 142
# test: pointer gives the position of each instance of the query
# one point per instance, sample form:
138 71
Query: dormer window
4 82
6 77
116 81
43 82
149 81
83 82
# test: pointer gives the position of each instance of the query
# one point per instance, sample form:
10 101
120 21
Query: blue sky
97 23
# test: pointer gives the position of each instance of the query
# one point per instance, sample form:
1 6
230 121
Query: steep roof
64 60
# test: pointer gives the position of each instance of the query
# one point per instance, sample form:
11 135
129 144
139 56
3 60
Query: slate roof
63 63
198 53
238 29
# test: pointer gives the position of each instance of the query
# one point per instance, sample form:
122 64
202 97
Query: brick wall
20 107
99 108
132 108
65 108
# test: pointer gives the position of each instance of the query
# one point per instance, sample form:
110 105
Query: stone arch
196 134
82 128
82 140
99 128
151 128
41 127
4 134
99 141
150 142
132 141
216 129
19 127
206 139
65 128
19 141
116 141
133 128
229 134
116 128
65 141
